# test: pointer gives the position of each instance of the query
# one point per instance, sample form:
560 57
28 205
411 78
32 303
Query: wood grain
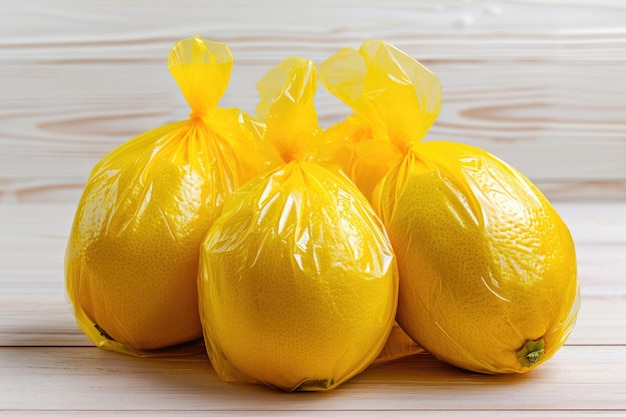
538 83
100 380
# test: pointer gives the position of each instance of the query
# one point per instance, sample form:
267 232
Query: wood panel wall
541 84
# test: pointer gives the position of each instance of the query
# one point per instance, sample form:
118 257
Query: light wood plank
62 31
537 117
590 378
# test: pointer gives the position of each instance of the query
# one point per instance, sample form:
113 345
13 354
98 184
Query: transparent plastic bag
132 255
297 280
487 267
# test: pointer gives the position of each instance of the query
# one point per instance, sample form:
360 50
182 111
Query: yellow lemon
487 267
297 281
132 256
139 256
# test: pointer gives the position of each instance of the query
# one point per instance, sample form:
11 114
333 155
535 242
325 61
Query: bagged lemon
132 256
297 280
487 267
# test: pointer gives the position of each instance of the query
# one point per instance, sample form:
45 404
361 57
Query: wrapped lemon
132 256
487 267
297 280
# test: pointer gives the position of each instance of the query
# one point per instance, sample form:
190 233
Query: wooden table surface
541 84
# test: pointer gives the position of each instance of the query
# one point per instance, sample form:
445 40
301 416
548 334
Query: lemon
297 281
487 267
136 248
132 255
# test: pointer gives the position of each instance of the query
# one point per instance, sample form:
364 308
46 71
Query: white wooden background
540 83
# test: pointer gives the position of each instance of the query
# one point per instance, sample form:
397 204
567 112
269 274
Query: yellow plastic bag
297 279
487 267
386 121
132 256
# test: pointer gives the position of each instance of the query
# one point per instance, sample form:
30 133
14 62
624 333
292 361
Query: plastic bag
132 256
386 121
297 280
487 267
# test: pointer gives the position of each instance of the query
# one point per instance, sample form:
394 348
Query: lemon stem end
531 353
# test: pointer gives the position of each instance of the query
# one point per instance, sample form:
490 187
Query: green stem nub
531 352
